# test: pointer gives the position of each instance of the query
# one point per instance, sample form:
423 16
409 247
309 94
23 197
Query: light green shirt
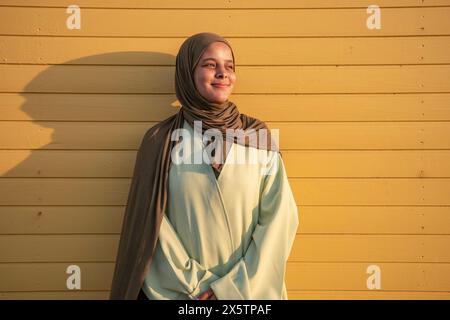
233 234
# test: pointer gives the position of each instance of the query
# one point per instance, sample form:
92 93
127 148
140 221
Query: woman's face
214 76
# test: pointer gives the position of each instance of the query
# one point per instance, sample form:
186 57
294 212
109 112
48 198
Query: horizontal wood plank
239 22
307 191
247 51
55 295
394 191
292 135
250 79
367 295
272 107
313 220
421 277
353 276
306 248
298 163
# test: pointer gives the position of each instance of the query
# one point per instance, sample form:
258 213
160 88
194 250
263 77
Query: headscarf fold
148 191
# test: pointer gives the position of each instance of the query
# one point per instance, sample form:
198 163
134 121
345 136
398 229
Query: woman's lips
220 85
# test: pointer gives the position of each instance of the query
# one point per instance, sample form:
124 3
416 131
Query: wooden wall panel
363 118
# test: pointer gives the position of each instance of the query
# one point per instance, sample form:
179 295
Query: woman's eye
213 65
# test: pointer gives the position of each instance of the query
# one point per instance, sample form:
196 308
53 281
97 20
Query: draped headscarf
148 191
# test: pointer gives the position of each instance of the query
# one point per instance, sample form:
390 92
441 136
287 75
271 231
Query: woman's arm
172 271
260 273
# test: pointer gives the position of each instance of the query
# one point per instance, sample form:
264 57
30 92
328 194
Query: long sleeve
260 273
173 272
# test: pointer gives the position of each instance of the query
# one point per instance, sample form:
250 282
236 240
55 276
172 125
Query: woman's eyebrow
215 60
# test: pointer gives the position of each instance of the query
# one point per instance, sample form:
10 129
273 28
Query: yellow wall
363 118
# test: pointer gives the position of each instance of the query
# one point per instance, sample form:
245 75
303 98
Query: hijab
148 191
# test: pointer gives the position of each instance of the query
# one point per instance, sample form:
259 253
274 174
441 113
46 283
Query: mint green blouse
233 233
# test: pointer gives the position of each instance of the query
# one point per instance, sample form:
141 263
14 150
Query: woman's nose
221 75
221 71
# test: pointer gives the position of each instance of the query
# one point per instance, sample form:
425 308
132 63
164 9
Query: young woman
219 228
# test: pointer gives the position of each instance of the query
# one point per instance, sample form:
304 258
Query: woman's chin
219 99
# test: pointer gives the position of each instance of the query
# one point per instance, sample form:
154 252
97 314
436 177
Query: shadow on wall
85 121
100 102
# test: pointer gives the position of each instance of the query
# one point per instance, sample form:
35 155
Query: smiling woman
214 76
193 233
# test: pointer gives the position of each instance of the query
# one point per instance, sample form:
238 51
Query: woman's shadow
70 163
